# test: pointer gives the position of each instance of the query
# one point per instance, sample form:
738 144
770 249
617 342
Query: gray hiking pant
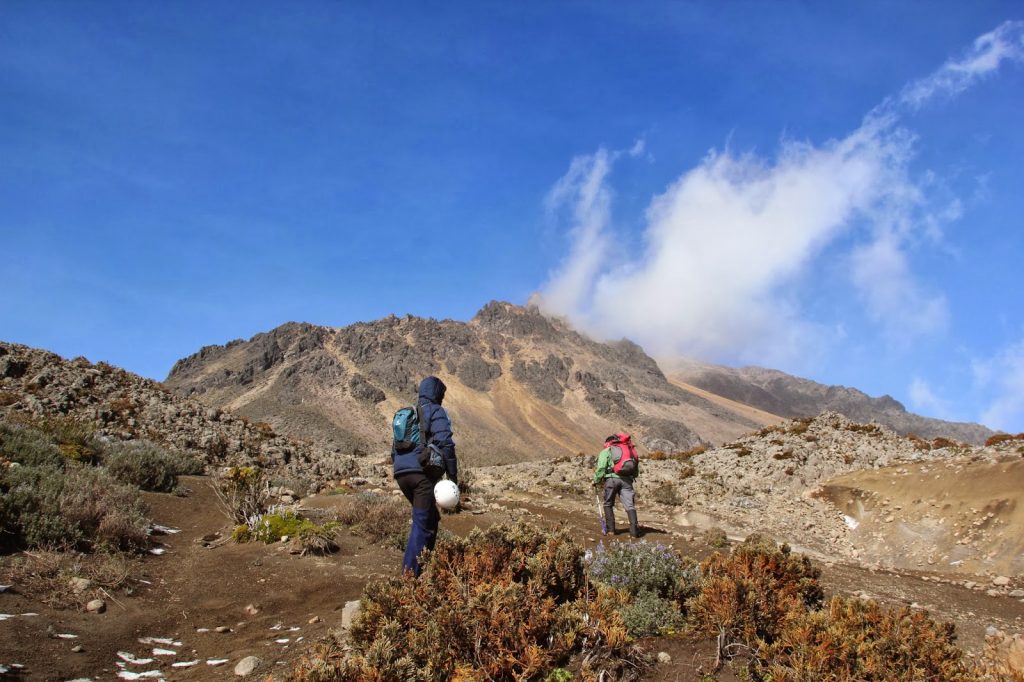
614 487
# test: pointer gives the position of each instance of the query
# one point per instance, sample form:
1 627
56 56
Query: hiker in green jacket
617 467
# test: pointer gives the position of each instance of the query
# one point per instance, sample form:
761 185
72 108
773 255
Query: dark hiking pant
616 487
419 490
620 487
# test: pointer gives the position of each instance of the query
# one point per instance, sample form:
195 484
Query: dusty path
191 590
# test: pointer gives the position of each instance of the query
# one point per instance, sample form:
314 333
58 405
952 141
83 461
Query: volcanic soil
273 604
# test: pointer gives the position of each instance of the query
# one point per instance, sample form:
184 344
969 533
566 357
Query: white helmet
446 494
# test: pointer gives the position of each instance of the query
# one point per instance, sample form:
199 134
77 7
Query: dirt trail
193 589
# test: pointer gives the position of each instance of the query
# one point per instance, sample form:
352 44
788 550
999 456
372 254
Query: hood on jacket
432 389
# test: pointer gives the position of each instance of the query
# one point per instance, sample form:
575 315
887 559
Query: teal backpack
406 428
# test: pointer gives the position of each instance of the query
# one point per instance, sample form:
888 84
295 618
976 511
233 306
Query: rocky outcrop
118 405
787 482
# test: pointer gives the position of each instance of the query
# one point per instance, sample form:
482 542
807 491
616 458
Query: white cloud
723 243
583 189
1006 42
1003 377
727 246
924 400
893 297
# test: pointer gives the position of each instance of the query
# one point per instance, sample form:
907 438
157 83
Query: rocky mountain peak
516 321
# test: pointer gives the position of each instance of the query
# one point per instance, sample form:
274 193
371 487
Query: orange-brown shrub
747 594
1003 438
851 640
799 426
918 442
123 407
264 429
509 602
692 452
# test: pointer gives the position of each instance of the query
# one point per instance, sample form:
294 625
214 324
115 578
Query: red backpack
627 464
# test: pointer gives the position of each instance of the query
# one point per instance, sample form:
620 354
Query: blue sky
747 183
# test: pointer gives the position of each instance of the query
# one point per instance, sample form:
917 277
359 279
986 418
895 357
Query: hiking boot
634 527
609 520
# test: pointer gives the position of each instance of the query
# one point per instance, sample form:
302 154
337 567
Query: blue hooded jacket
438 427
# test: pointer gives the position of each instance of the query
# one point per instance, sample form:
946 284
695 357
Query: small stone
992 631
247 666
349 613
993 593
664 658
287 499
1001 581
314 619
223 628
96 606
284 538
252 610
1016 594
78 648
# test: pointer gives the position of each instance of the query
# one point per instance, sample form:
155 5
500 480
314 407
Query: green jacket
606 460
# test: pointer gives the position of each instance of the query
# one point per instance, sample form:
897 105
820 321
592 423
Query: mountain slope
520 385
789 396
39 385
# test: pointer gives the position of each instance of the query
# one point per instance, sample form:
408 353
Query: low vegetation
149 466
244 494
508 603
284 525
655 582
382 519
62 488
519 603
1003 438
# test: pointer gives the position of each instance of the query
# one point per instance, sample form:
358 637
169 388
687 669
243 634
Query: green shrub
74 506
75 440
641 567
649 614
506 603
273 527
148 466
29 446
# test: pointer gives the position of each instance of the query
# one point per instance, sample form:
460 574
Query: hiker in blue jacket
416 475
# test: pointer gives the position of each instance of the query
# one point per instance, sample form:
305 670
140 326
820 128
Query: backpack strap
424 427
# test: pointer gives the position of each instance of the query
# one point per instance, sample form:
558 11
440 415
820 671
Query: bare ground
192 589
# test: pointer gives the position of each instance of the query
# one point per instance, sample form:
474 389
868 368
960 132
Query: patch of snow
129 657
129 675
